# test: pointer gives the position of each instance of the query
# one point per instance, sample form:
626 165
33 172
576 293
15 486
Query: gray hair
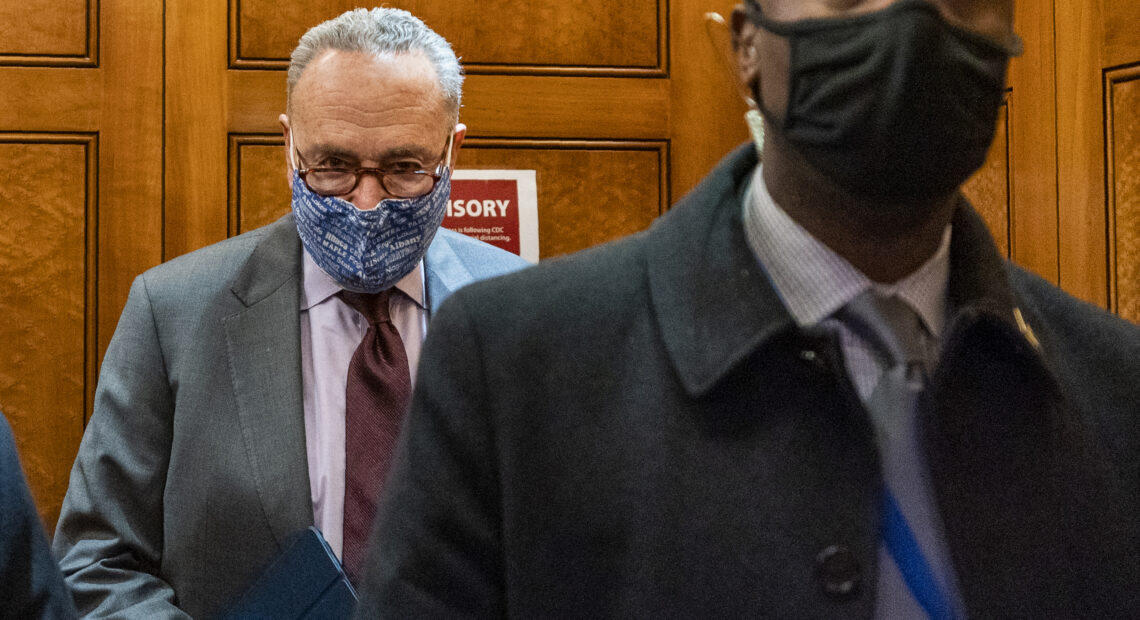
380 31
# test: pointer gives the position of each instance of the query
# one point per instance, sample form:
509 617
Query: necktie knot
919 576
374 306
893 329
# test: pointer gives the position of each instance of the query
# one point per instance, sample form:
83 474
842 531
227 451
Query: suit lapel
264 347
444 270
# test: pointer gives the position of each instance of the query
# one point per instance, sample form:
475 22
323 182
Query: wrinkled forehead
369 80
359 86
989 17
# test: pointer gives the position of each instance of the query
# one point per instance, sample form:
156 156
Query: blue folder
305 582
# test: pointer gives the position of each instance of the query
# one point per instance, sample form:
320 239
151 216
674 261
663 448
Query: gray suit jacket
192 471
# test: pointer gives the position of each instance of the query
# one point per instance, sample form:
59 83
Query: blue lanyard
912 564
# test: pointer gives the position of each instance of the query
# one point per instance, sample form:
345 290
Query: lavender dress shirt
330 333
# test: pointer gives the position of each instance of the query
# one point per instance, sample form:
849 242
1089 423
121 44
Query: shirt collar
814 282
318 286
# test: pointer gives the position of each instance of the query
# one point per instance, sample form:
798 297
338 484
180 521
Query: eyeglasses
337 181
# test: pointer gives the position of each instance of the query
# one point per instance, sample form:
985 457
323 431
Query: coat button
838 571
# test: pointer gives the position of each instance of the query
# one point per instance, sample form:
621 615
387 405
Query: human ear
460 133
287 134
744 50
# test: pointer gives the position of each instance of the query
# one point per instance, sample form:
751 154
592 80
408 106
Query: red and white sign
499 207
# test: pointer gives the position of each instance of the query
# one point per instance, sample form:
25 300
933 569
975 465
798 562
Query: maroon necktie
379 386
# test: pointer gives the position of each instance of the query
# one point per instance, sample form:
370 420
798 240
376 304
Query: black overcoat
642 431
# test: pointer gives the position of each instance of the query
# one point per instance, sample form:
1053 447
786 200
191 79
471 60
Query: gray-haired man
219 426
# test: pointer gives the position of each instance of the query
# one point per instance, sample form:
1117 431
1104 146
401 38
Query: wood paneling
1032 117
591 37
1081 209
1096 43
1121 32
611 92
567 107
588 192
47 265
130 143
196 139
96 117
706 112
1123 92
49 33
988 190
259 182
496 105
1081 151
50 99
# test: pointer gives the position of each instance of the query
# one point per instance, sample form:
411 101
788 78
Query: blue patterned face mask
368 251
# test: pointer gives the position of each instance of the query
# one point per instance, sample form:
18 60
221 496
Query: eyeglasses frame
381 174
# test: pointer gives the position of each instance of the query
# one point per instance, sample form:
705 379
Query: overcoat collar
712 300
716 306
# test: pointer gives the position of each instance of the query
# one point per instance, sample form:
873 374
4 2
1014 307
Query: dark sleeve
31 585
435 550
109 539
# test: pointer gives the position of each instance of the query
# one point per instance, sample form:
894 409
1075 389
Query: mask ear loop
447 158
717 28
289 148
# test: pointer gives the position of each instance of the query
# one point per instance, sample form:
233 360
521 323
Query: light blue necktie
916 575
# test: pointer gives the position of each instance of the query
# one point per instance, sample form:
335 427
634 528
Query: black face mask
897 104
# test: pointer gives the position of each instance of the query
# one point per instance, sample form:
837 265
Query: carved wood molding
1122 183
237 145
240 60
660 147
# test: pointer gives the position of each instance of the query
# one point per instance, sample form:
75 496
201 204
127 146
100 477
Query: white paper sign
499 207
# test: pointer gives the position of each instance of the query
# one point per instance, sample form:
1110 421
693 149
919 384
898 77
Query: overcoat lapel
264 350
1000 434
713 302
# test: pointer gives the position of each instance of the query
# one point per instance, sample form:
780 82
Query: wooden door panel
48 99
988 189
1032 116
1123 92
195 209
1080 150
706 110
49 33
47 265
589 192
519 87
80 209
494 36
567 107
1121 37
258 181
1098 59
